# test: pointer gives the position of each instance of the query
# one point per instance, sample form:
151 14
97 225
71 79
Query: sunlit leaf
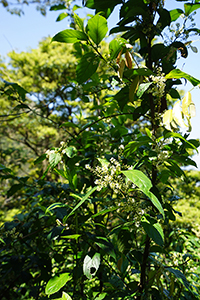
176 73
65 296
175 14
54 159
144 184
91 265
190 7
79 22
177 114
56 283
97 28
69 36
62 16
167 118
186 103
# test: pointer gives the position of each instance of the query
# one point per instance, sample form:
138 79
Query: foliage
102 225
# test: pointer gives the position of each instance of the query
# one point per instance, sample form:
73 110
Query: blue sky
23 33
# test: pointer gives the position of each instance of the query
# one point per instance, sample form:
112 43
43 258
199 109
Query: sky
23 33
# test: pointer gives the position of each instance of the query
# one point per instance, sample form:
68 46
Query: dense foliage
103 126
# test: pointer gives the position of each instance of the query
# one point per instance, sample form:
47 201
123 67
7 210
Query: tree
115 207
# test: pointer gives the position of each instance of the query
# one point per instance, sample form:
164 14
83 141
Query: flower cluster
109 176
158 87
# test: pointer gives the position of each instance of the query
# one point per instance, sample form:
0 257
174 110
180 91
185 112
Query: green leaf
175 14
57 7
97 28
14 188
62 16
180 276
100 296
165 18
190 7
91 265
144 184
54 206
71 237
115 46
142 88
122 97
153 229
40 159
20 90
70 151
79 22
56 283
54 159
168 134
176 73
87 67
69 36
83 199
106 246
65 296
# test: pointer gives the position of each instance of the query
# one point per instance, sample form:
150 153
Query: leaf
71 237
175 14
70 151
65 296
176 73
54 159
83 199
115 46
153 229
97 28
180 276
62 16
144 184
14 188
128 59
106 246
122 97
87 67
54 206
40 159
169 134
167 119
91 265
142 88
190 7
79 22
120 70
57 7
177 114
187 100
56 283
181 47
133 88
69 36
